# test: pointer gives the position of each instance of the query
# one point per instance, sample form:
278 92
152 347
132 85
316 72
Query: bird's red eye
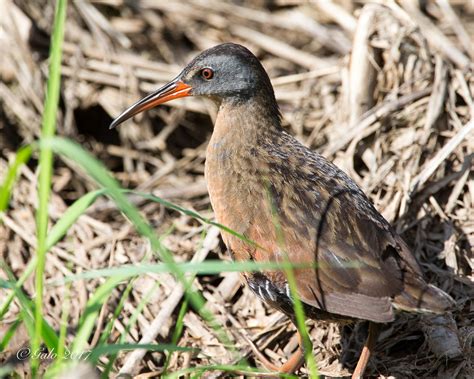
207 73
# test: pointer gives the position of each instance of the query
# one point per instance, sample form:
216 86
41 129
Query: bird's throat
234 166
243 125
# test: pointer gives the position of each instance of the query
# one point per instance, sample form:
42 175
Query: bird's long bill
173 90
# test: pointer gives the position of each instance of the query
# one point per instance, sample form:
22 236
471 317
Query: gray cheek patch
244 80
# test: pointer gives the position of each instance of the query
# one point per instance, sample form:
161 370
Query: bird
294 205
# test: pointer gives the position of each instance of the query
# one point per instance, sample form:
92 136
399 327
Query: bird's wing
359 264
326 219
358 271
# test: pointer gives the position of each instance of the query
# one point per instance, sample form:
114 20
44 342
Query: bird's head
227 72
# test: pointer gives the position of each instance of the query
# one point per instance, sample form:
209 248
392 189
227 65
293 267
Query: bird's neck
234 167
242 124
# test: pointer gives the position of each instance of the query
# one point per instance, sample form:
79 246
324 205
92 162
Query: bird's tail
418 296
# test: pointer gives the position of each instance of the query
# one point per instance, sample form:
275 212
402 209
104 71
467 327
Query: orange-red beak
173 90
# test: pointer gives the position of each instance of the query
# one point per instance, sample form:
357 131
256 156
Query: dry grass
398 117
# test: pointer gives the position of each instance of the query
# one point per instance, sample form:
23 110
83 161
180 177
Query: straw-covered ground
384 89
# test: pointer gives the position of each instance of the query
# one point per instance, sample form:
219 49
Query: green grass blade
195 215
60 360
248 372
17 285
113 349
27 310
48 129
88 319
300 319
22 156
298 308
55 234
133 319
100 174
5 370
66 306
9 334
118 309
6 284
178 330
208 267
70 217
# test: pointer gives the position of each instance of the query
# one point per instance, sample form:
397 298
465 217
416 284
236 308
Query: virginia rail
259 176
